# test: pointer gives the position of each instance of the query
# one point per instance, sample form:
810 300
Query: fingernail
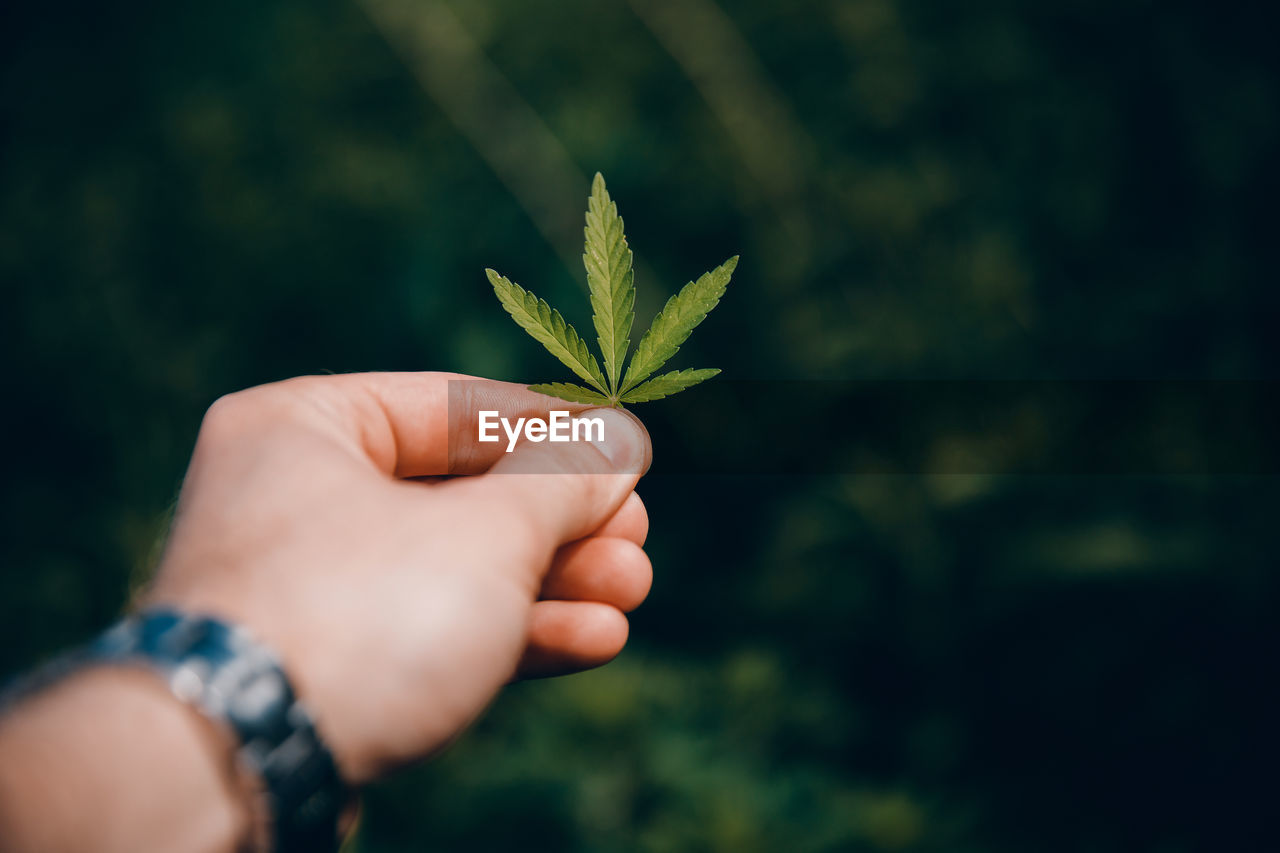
626 443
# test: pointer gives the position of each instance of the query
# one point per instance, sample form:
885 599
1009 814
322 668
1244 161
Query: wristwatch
237 682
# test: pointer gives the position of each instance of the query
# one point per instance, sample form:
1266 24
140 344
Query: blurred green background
198 198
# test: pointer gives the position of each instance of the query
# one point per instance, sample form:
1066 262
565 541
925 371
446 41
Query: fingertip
572 636
630 522
604 569
625 442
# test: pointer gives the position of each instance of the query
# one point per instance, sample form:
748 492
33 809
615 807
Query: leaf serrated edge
610 280
668 384
546 326
572 393
676 321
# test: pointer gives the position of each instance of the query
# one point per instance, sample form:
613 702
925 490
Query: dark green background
199 197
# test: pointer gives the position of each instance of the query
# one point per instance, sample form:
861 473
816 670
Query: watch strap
231 678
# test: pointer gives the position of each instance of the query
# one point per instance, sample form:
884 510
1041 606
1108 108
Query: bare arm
109 761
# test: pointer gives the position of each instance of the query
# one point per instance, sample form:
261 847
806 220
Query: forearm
109 760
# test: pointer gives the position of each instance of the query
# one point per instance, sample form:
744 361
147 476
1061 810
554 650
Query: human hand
400 606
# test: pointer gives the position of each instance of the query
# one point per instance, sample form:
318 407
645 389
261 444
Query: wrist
319 682
237 684
108 753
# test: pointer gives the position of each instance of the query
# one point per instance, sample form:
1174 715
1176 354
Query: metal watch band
222 671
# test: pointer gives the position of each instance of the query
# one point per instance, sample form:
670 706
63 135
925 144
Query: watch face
259 705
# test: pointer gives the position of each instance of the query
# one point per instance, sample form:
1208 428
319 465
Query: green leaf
610 279
678 318
667 384
548 328
611 282
572 393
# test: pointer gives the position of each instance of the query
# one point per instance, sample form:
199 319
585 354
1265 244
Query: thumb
567 489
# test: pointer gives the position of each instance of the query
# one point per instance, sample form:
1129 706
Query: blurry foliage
198 198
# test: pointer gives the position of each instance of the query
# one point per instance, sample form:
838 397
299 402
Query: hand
401 606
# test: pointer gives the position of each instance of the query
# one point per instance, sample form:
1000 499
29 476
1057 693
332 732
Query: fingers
469 397
561 492
611 571
432 419
570 636
630 522
407 424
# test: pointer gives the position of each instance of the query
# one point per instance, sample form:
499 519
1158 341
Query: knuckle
225 417
233 415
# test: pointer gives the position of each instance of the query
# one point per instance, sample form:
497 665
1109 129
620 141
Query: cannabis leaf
675 321
609 278
611 281
668 384
548 328
572 393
